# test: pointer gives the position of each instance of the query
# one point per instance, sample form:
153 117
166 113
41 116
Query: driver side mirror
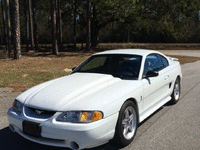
151 73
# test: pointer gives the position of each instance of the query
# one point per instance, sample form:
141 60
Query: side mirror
151 73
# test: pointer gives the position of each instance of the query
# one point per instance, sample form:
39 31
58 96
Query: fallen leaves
8 92
67 70
24 75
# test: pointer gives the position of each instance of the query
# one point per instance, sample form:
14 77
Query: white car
103 99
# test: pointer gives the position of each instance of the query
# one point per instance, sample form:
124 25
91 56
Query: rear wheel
127 124
176 92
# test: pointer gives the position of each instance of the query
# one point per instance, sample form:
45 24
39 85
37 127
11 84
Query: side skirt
152 109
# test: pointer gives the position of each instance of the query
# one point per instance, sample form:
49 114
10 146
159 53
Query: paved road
174 127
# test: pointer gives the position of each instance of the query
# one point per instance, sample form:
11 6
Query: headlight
80 116
17 106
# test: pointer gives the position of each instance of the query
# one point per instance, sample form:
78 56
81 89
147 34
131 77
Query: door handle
166 77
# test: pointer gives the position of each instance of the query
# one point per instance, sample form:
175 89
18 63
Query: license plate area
31 128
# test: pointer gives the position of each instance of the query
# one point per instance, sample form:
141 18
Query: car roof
142 52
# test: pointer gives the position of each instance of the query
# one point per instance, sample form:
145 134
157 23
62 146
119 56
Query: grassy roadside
33 69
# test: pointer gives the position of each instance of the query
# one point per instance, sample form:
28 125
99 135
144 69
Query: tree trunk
94 29
3 21
8 27
26 25
59 26
128 35
35 26
94 35
16 29
31 38
88 32
53 27
74 28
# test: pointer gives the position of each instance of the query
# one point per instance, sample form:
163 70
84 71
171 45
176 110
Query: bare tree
16 29
88 32
53 27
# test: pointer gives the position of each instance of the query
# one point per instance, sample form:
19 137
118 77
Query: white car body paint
91 91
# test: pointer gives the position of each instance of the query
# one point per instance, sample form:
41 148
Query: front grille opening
38 113
42 112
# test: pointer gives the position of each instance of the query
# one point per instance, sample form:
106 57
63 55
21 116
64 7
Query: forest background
58 22
54 35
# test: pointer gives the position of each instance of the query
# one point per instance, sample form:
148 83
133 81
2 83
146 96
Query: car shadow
12 140
158 111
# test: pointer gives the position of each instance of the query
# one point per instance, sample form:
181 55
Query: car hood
68 92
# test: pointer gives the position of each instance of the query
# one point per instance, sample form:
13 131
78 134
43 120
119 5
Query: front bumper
65 134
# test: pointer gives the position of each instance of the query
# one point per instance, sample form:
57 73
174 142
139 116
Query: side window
152 62
165 62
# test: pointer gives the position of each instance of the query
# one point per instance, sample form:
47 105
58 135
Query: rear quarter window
164 61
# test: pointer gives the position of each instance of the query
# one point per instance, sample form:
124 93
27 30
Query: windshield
117 65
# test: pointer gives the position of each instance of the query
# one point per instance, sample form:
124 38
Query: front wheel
176 92
127 124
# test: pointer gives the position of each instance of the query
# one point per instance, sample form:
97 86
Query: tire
176 92
126 125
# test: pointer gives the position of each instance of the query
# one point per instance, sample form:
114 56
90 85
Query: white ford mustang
104 98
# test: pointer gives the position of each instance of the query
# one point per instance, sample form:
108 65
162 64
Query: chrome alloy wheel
176 91
129 122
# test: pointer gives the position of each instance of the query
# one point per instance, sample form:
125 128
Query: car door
167 74
154 88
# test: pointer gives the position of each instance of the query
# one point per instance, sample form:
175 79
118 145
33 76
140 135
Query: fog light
74 145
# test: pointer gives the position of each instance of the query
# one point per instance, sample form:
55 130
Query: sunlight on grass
20 81
30 71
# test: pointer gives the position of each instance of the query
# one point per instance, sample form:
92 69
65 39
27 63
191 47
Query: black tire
126 128
176 92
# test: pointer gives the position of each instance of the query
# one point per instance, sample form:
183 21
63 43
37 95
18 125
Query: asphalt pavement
174 127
